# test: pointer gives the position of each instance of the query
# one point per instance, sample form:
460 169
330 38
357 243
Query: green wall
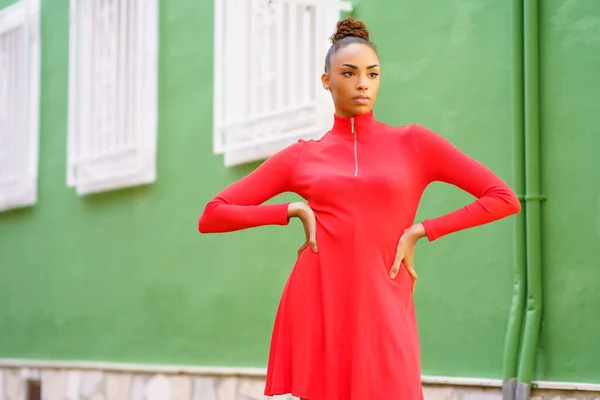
443 72
6 3
124 276
570 118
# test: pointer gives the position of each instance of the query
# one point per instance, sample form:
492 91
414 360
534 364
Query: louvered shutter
112 94
19 103
269 56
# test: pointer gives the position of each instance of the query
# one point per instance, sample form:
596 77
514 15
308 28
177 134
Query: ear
325 81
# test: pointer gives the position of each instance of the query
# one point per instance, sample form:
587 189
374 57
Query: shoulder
396 134
399 130
428 143
287 155
414 135
310 144
293 148
423 136
299 147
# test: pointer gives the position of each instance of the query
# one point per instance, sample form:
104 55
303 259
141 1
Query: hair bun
350 27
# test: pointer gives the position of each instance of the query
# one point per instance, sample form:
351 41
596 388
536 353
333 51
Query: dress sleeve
442 161
239 206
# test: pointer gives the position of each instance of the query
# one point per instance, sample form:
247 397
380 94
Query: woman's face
353 79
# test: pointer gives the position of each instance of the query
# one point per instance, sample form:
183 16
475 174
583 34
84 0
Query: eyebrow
355 67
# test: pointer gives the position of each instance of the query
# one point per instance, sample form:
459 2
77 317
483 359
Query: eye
373 75
347 73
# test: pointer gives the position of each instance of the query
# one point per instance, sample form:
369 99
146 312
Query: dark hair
348 31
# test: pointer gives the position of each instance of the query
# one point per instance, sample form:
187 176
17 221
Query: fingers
395 268
309 222
310 229
312 237
411 270
398 257
397 261
410 267
301 248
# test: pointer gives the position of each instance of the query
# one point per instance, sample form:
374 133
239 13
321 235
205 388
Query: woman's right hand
309 221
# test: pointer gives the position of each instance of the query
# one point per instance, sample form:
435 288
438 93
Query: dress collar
362 123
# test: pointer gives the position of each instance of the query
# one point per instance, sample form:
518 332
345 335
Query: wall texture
439 69
6 3
570 118
90 384
123 276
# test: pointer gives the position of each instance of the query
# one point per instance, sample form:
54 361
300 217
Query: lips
361 99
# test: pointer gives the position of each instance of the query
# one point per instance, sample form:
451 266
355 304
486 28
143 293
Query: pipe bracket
533 197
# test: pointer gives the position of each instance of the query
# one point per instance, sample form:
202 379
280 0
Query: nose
362 84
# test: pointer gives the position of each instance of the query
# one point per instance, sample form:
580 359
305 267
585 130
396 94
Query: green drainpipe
533 200
515 320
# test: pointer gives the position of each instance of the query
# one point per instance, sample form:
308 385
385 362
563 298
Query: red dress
344 330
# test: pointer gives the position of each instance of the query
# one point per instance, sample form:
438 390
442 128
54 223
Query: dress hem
293 393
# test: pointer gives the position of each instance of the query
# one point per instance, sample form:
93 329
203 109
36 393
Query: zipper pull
355 148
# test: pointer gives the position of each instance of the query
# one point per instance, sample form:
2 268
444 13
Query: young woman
346 327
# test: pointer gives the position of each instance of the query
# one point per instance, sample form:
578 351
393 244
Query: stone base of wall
61 384
477 393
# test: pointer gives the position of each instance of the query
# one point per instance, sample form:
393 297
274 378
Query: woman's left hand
405 252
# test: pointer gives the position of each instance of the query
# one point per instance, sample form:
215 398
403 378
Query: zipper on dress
355 148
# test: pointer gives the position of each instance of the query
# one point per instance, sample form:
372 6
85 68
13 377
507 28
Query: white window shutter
19 103
113 61
269 56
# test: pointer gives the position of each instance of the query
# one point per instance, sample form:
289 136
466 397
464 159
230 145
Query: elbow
517 205
513 204
506 202
510 201
202 225
205 224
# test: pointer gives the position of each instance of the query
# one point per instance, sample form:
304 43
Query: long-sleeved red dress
344 329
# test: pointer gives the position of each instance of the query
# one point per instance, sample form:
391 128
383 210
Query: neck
361 122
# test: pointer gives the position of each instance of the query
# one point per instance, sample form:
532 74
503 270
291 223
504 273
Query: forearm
240 206
220 217
416 232
442 161
482 211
